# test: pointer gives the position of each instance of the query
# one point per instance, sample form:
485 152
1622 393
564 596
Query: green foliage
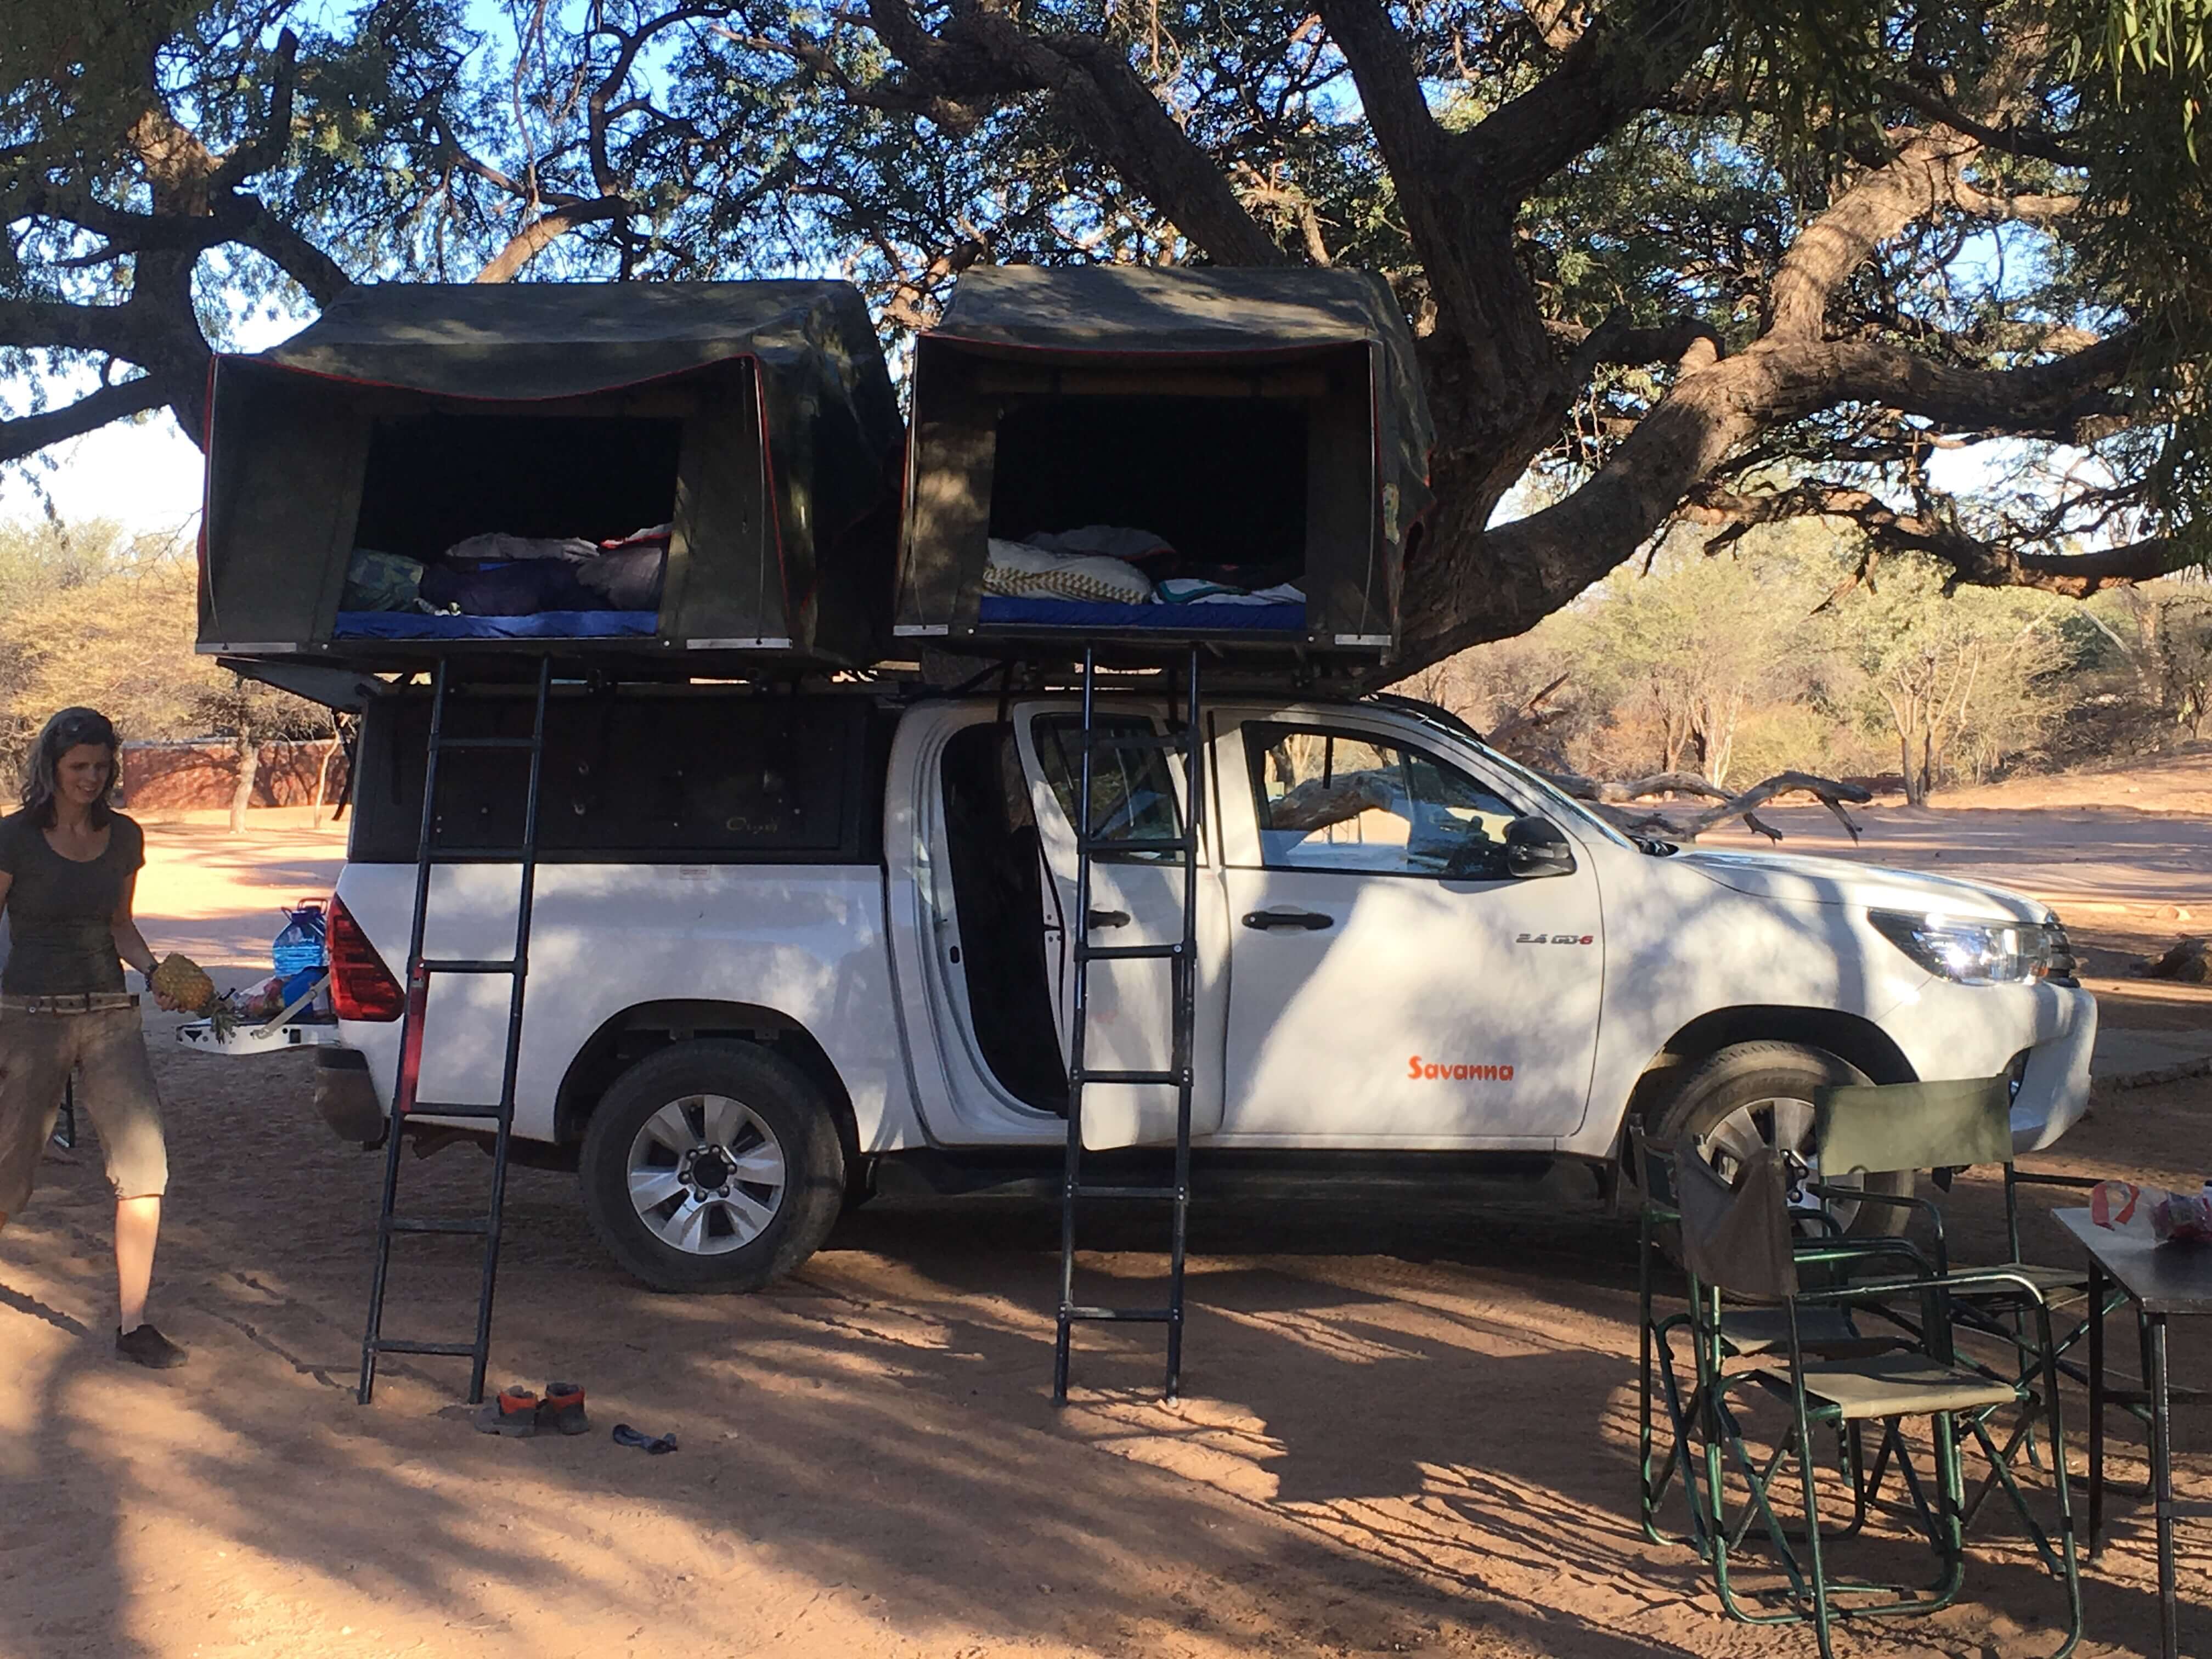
1731 666
89 616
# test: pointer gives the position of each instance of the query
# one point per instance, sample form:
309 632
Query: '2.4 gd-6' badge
1555 938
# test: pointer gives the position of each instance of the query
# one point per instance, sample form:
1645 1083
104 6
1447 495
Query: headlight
1979 953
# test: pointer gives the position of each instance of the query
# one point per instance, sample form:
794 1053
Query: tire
739 1172
1768 1087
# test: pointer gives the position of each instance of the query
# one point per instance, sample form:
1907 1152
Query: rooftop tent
755 421
1255 430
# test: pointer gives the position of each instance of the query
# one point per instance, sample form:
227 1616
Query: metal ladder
1182 959
430 856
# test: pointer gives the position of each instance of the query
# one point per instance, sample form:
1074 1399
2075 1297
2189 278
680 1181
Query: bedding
545 625
1195 618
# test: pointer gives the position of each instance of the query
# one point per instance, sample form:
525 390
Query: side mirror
1535 846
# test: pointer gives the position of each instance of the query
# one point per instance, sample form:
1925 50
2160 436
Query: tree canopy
1730 262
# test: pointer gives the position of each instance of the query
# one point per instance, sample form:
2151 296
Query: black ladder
430 856
1182 958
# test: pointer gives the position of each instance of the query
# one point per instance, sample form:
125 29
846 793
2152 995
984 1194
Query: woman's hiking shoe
562 1409
513 1413
149 1347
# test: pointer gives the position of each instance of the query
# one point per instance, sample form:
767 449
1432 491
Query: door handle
1107 919
1308 920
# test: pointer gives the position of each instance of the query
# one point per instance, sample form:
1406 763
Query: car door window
1133 795
1348 800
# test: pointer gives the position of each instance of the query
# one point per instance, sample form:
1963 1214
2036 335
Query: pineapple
184 981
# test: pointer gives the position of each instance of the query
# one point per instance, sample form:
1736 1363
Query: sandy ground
1407 1429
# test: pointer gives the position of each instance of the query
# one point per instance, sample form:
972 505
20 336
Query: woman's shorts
106 1049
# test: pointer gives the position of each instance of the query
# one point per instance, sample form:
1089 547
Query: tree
1732 261
1948 674
87 616
1681 647
1813 671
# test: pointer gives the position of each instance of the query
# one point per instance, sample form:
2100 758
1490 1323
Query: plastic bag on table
2152 1212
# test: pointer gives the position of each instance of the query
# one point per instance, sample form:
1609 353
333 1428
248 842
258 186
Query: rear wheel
1754 1094
712 1166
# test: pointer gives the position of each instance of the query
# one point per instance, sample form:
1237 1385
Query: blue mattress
544 625
1180 618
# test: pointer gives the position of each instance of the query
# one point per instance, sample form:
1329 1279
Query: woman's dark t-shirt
60 912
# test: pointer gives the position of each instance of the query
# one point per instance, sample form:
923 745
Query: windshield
1452 726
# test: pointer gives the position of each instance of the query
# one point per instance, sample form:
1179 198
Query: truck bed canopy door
756 419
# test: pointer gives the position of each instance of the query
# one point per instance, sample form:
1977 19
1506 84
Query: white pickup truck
784 944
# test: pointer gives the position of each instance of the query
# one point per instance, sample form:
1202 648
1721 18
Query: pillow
1017 571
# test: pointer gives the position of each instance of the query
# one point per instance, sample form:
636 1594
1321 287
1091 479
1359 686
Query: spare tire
1754 1093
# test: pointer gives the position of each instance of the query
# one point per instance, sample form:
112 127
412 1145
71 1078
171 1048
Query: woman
68 867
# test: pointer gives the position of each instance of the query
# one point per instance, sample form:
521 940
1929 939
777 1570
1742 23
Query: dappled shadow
1411 1430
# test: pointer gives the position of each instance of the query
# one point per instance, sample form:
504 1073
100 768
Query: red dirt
1410 1429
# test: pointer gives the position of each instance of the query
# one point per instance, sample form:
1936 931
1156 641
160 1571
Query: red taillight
362 986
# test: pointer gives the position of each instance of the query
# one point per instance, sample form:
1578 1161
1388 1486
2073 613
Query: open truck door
1137 796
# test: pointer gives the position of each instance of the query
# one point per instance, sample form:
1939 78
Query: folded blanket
1019 571
1178 590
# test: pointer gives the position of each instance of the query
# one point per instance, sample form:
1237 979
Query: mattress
544 625
996 610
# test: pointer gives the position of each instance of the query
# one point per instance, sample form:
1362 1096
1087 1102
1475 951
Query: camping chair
1741 1333
1948 1127
1736 1242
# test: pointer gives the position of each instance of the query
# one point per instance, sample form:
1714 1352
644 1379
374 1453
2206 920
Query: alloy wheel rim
1786 1124
706 1175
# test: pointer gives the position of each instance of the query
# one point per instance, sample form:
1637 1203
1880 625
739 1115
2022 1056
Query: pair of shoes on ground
517 1412
149 1347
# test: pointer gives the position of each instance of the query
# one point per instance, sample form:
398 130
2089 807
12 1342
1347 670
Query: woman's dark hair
67 730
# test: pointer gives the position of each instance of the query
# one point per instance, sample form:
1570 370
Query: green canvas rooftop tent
755 421
1261 432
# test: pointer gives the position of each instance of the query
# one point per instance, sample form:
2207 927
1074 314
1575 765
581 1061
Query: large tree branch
985 54
1924 176
1516 573
1619 68
546 229
27 433
1390 94
1974 561
252 224
1916 182
119 331
268 147
2009 136
2041 400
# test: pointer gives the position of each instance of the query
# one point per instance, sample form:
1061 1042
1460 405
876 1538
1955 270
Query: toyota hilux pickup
789 947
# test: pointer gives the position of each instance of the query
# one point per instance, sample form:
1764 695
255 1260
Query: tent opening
433 481
469 522
1219 481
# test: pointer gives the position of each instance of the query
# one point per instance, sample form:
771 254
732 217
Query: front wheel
1754 1094
712 1166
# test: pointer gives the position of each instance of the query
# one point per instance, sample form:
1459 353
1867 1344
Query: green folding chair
1737 1243
1948 1127
1742 1332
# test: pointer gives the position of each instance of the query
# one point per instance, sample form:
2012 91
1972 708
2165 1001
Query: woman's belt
73 1002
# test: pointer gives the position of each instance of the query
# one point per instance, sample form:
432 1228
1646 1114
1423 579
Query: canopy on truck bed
747 429
1249 450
